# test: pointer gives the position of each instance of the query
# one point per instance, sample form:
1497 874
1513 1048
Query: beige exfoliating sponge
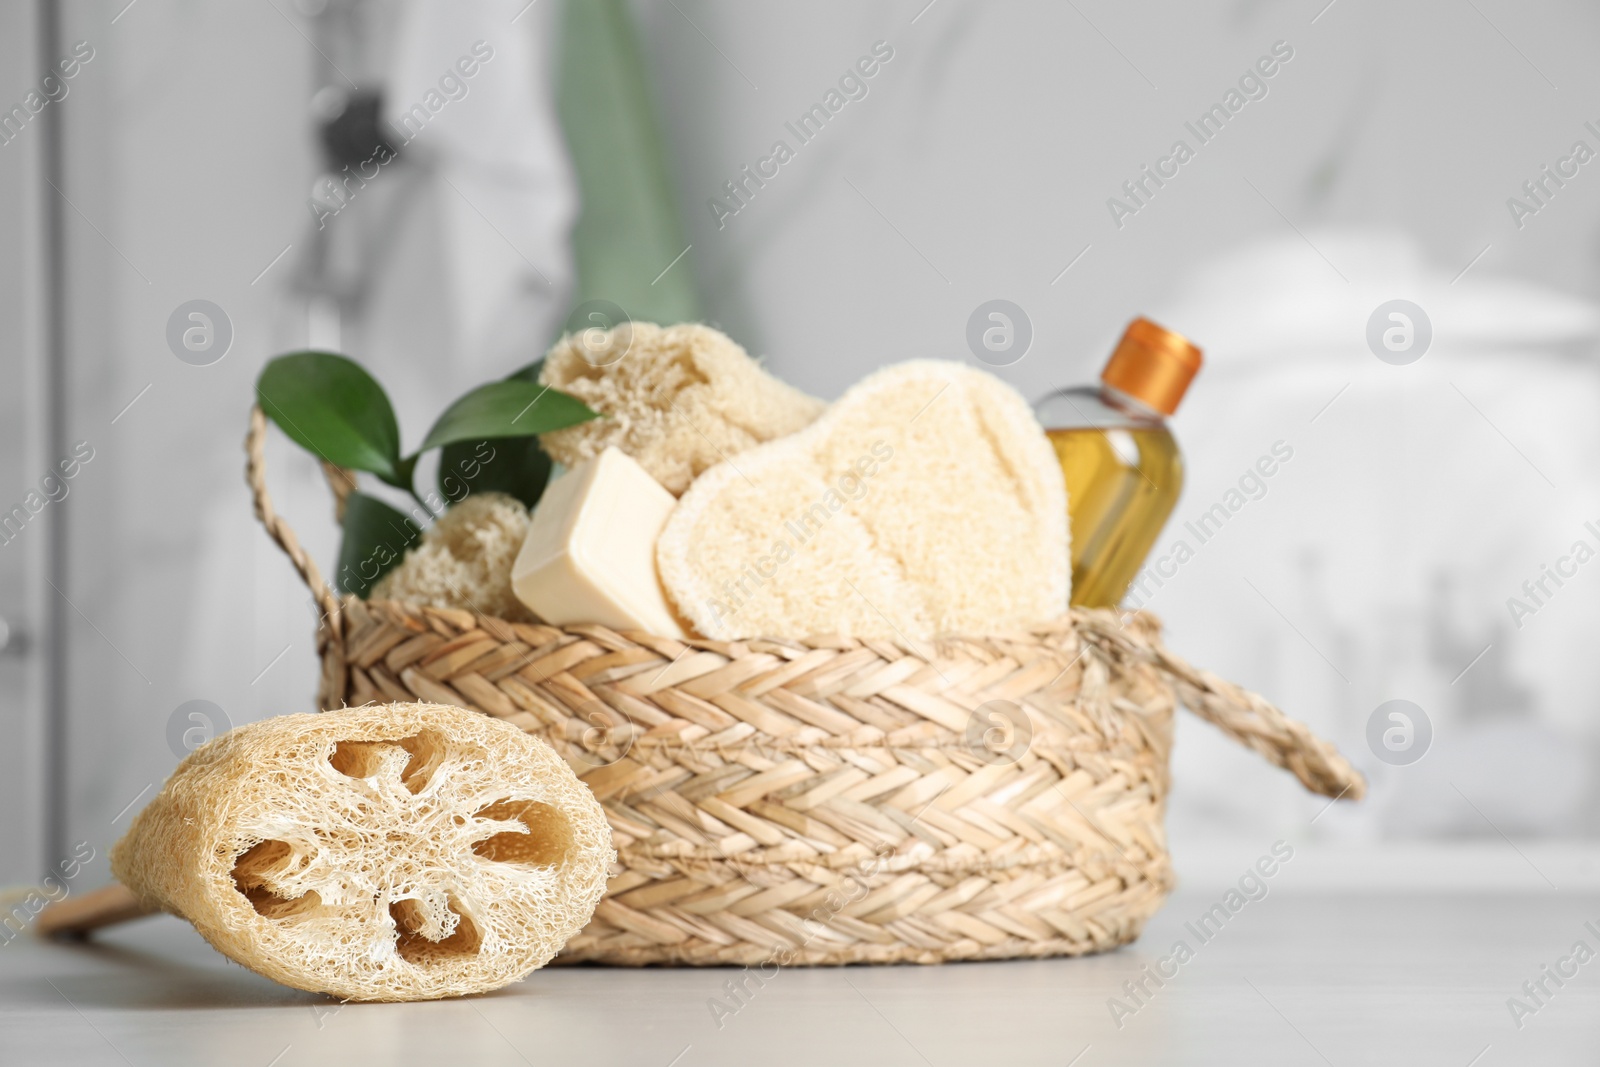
389 852
678 399
926 501
464 560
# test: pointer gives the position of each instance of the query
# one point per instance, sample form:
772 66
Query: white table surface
1358 979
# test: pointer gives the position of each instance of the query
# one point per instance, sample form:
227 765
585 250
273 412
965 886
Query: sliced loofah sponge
391 852
678 399
464 560
926 501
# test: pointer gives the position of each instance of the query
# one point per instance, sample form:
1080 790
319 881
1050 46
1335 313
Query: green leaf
514 465
334 409
629 229
376 537
506 409
517 466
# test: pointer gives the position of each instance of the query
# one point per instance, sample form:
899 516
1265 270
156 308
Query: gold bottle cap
1152 364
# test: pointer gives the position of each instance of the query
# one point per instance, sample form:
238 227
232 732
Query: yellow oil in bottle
1122 485
1121 465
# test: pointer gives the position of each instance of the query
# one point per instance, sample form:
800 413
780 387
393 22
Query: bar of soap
590 555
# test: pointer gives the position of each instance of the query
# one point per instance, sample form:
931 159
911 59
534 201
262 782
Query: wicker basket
833 800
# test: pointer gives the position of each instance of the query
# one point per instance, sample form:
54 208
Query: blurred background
327 173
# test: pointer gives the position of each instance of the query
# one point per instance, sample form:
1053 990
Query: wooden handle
78 916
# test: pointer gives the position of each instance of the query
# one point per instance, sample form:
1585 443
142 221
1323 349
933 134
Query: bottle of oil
1121 463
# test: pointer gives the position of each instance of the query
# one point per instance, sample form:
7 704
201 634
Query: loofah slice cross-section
391 852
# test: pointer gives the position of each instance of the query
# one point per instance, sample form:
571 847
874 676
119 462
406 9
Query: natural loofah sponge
679 399
464 560
390 852
926 501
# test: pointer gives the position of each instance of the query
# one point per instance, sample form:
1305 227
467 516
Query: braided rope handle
1248 718
343 483
339 479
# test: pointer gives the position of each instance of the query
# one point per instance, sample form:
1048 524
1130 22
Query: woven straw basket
833 800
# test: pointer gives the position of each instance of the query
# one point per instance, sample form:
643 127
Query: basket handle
1247 717
340 481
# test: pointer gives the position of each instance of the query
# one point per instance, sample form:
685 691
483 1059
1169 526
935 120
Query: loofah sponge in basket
394 852
678 399
464 560
834 529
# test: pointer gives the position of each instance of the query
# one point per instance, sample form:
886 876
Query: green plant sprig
330 406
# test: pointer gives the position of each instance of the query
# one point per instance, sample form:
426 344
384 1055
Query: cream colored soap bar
590 555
